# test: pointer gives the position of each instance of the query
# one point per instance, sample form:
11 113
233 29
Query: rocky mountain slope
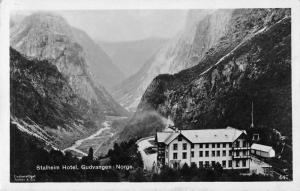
54 95
104 69
250 63
44 105
130 56
45 36
202 30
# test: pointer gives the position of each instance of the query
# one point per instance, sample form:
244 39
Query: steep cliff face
104 70
202 30
45 36
44 105
250 63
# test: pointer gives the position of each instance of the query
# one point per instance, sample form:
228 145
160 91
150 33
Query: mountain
44 105
130 56
46 36
202 29
251 63
104 69
53 92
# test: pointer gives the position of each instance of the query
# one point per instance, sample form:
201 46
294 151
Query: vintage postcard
149 94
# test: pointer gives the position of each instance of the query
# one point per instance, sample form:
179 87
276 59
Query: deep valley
86 101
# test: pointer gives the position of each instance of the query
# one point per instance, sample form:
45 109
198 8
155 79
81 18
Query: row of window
207 163
206 145
213 154
224 163
243 153
175 146
183 155
243 143
203 145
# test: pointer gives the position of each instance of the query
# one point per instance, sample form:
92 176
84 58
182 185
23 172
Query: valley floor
97 141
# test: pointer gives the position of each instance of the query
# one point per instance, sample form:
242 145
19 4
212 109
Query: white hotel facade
228 146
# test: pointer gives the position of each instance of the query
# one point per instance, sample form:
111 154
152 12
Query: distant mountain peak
202 29
47 36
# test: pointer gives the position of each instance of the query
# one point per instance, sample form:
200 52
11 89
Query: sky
127 25
123 25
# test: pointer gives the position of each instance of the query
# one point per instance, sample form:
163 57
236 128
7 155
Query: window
206 163
179 138
175 146
230 153
224 145
201 145
224 153
229 163
213 153
213 145
218 145
237 153
244 144
207 153
266 170
237 144
184 146
218 153
174 155
184 155
245 153
192 146
224 163
230 145
237 163
207 145
200 153
244 163
213 163
200 163
255 137
192 153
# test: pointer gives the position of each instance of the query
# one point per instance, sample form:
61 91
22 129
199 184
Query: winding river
78 143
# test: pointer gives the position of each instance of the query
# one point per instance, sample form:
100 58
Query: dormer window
179 138
255 137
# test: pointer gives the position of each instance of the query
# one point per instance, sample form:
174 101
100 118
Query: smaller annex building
262 150
204 147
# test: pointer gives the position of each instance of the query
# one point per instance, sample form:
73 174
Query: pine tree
91 154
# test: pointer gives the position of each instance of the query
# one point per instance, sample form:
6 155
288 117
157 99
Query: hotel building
229 147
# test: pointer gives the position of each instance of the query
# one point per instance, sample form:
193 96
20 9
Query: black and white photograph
150 95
